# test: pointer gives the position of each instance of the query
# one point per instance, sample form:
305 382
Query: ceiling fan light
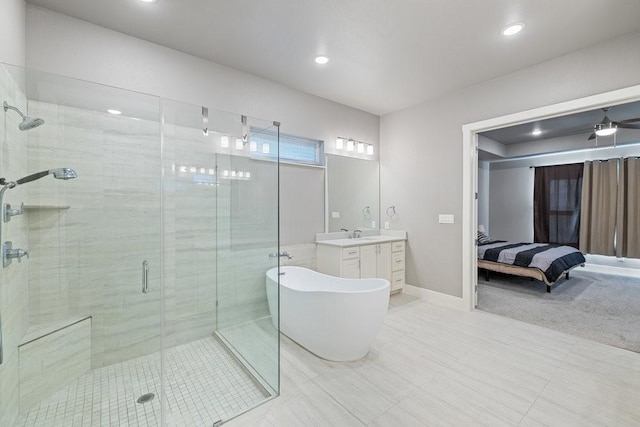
605 129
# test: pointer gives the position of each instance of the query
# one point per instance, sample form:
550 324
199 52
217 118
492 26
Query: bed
542 261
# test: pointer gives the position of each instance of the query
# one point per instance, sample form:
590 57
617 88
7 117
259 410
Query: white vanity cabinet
397 266
361 258
375 261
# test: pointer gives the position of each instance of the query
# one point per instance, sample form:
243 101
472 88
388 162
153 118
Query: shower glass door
220 223
91 351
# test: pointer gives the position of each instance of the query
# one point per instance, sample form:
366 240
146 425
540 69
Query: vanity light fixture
536 132
239 144
360 147
350 145
369 149
114 112
339 143
512 29
321 59
224 141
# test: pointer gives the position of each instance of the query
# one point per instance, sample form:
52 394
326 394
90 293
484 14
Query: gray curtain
628 236
599 207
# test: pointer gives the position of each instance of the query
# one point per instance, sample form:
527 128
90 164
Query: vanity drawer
397 246
348 253
397 280
397 261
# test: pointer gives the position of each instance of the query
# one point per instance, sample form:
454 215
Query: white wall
12 32
511 204
67 46
62 45
483 195
421 148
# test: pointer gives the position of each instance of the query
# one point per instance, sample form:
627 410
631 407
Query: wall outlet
386 225
445 219
335 215
373 224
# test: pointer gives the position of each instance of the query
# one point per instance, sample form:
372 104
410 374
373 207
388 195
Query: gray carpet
595 306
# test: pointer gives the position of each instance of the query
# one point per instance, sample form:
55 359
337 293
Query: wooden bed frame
534 273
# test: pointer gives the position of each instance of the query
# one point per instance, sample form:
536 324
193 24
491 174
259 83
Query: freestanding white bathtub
334 318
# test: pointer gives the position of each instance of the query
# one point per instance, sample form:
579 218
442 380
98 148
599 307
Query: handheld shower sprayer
60 173
27 122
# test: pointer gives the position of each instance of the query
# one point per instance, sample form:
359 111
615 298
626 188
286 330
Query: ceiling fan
608 127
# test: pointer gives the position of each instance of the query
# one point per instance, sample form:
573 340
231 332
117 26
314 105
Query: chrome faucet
356 234
8 253
281 254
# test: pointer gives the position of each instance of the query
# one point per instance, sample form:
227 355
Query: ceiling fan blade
629 125
637 119
592 136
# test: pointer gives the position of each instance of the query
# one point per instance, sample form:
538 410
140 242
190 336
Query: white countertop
359 241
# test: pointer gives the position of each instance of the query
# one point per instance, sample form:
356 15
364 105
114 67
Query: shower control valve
8 253
8 212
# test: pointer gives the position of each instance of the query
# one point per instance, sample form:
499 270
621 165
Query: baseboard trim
607 269
436 297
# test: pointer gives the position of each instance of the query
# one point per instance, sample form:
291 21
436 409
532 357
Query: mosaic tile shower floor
204 384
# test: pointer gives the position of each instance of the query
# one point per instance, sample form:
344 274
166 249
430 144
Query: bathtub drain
148 397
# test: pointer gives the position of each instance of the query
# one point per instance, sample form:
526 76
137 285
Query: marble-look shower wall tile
303 255
14 297
52 361
88 258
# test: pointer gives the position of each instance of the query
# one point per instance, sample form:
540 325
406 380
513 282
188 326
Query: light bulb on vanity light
350 145
369 149
239 144
339 143
253 146
265 147
360 147
224 141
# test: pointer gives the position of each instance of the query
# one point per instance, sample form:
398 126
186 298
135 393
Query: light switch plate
335 215
445 219
386 225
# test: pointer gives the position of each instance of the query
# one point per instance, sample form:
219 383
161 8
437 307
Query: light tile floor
204 384
440 367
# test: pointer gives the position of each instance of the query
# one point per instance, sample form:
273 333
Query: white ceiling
386 55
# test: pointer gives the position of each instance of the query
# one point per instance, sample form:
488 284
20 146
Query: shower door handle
145 276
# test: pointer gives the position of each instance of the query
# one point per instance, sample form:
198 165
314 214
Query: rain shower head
60 173
27 122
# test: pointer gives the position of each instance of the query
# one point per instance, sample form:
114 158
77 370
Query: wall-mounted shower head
27 122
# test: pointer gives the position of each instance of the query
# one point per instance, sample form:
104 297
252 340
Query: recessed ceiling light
114 112
321 59
536 132
512 29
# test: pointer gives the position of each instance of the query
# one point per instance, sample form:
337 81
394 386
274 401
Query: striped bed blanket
552 260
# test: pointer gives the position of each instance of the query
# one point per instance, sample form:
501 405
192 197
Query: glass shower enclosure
142 300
